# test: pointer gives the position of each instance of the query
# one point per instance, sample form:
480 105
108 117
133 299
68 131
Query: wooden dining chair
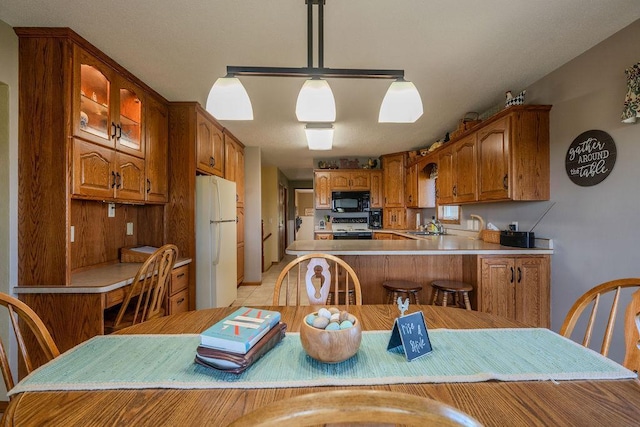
20 314
147 291
355 406
592 297
326 278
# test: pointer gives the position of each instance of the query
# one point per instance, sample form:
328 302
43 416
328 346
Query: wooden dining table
493 403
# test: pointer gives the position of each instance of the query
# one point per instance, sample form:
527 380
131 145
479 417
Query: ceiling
462 56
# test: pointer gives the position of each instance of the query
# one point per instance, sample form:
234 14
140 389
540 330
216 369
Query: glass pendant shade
228 100
319 137
315 102
401 104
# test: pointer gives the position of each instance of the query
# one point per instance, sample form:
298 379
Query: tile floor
263 294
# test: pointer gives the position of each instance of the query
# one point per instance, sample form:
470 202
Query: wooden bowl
331 346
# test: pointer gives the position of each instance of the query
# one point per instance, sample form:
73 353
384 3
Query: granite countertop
95 280
424 245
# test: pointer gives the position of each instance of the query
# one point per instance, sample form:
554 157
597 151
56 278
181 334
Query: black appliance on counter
350 201
375 219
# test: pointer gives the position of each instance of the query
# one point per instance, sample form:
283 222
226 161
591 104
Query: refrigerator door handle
215 241
221 221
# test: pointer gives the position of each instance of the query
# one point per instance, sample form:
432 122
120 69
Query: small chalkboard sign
410 332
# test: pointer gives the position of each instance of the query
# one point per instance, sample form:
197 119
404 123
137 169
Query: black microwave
350 201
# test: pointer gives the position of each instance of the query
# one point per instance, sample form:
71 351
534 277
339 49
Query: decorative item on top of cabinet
515 287
209 144
322 189
393 176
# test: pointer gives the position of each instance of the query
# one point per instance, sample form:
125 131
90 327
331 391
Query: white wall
253 214
8 173
270 213
595 229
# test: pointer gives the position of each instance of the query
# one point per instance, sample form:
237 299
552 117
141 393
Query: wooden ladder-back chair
21 313
632 357
148 289
324 277
356 406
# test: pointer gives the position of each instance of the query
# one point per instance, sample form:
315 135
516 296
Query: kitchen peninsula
507 281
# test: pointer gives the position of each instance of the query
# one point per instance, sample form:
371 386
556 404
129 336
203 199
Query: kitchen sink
424 233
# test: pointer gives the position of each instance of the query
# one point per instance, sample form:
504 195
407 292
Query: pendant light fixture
228 100
402 103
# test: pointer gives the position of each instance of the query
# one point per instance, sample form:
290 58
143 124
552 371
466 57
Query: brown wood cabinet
515 287
416 191
178 291
359 180
382 236
393 176
157 151
234 171
505 158
394 218
376 194
323 236
322 189
209 145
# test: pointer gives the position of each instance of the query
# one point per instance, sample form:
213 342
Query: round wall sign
590 158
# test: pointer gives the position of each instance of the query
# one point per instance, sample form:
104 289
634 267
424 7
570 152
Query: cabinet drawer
179 302
179 279
115 296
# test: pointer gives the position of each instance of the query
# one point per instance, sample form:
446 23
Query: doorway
305 214
282 220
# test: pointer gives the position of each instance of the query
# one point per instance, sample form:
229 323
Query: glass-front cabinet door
108 109
92 112
129 135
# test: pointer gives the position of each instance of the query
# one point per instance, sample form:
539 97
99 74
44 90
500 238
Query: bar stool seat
454 288
402 288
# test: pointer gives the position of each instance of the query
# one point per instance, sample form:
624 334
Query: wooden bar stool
401 288
454 288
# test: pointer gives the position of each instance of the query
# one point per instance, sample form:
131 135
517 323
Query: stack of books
237 341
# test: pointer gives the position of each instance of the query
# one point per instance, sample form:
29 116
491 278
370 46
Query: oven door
353 235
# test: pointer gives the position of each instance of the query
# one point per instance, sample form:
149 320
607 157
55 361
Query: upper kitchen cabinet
157 152
209 145
393 176
107 108
504 158
513 155
82 140
375 201
419 188
351 180
322 189
234 164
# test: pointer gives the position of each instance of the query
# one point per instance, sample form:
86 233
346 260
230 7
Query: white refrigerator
216 248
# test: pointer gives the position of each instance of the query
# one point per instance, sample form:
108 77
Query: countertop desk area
75 313
493 403
507 281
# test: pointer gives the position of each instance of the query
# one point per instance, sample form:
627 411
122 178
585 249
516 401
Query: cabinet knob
505 182
148 185
511 281
118 180
212 161
113 130
455 191
119 131
519 275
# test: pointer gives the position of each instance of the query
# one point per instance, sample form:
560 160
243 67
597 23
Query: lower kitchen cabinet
394 218
323 236
178 292
516 287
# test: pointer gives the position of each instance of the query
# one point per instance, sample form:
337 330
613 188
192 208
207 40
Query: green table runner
460 355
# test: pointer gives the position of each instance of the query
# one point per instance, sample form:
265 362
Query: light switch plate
73 234
111 210
129 229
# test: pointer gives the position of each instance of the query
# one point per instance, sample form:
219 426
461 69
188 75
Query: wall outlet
129 229
111 210
73 234
513 226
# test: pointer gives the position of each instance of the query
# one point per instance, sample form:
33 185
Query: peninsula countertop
426 245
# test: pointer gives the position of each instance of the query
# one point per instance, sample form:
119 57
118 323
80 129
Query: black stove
353 228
